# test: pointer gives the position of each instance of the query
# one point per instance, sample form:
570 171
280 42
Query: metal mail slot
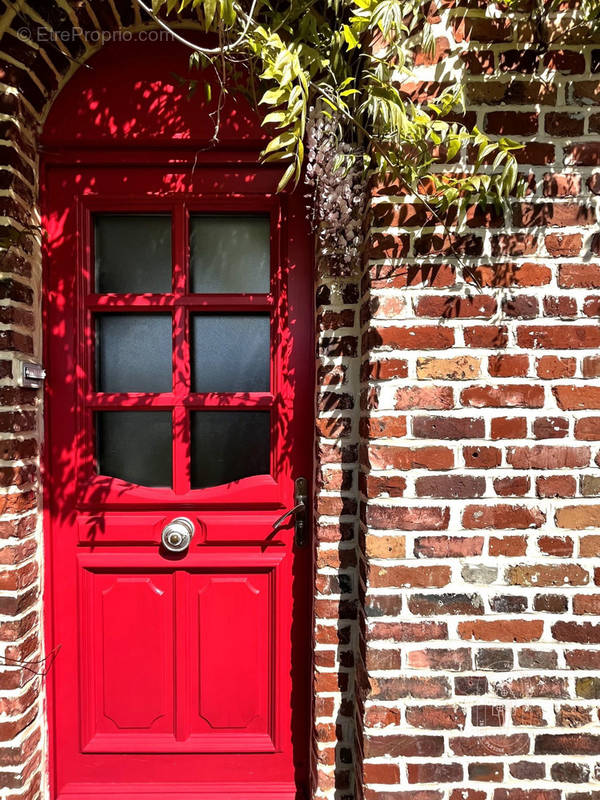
30 375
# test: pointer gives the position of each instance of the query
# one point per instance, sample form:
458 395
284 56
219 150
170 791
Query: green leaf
287 176
276 116
349 37
281 142
209 8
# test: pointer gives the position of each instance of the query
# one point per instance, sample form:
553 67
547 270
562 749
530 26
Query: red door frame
100 158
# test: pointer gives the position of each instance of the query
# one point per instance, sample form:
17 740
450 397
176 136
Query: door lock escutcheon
299 512
177 535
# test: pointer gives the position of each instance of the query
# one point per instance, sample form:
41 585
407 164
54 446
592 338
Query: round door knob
177 535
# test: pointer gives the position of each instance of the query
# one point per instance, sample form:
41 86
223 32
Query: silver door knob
177 535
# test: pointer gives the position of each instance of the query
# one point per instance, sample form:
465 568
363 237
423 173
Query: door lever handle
299 511
299 508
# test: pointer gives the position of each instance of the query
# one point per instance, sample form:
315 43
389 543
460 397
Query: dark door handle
299 512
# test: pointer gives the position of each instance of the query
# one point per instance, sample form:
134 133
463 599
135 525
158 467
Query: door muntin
203 370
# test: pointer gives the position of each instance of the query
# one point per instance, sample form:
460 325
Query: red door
178 332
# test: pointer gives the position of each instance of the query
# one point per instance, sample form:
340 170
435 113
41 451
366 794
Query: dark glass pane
228 446
230 254
133 353
135 446
133 253
230 352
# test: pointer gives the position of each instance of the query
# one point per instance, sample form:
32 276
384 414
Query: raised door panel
127 641
235 653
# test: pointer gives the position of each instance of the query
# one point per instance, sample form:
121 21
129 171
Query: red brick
591 367
383 485
380 716
521 307
563 124
575 276
440 659
502 516
451 307
552 367
486 336
381 773
508 546
530 716
386 245
512 487
566 245
559 546
382 427
548 457
553 214
482 457
506 275
505 396
584 154
588 428
591 306
508 123
402 745
550 427
581 632
517 744
448 546
456 486
564 307
436 717
556 486
482 29
387 368
448 427
586 604
577 397
448 245
405 458
557 185
564 337
568 62
434 773
426 397
415 338
509 428
415 577
478 62
506 366
415 518
501 630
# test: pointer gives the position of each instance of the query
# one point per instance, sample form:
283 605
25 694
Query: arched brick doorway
38 63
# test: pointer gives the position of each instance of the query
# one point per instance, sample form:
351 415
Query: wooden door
178 343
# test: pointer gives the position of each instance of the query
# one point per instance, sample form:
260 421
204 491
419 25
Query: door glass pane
133 353
230 254
133 253
230 352
135 446
228 446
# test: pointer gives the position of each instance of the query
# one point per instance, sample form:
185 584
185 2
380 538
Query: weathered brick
501 630
502 516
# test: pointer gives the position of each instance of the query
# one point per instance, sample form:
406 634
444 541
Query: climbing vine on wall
333 74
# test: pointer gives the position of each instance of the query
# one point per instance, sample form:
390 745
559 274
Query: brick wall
336 633
480 431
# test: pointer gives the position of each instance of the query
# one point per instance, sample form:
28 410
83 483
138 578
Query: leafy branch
353 57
